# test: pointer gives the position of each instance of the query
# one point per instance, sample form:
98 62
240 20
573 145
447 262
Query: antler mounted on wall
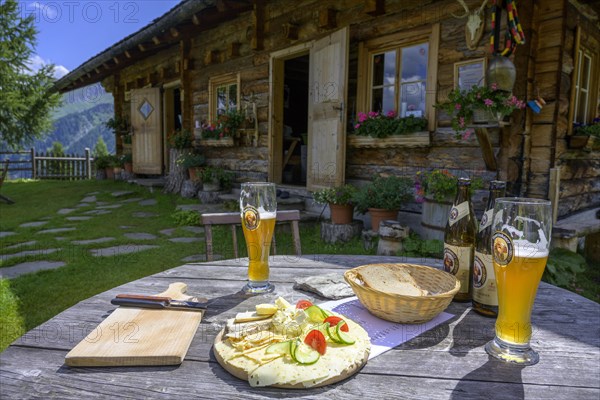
474 26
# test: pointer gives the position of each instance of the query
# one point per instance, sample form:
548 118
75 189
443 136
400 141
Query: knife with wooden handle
135 300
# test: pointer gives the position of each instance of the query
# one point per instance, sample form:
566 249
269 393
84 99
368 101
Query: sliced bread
388 279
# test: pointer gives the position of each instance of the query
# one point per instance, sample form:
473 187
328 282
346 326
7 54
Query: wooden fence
46 165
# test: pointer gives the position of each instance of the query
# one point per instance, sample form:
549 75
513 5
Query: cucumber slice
279 348
326 313
305 354
331 332
315 314
292 348
344 337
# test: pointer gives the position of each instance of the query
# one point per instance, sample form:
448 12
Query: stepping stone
102 203
109 206
89 199
194 229
64 211
186 239
140 236
57 230
81 205
191 207
97 212
200 258
122 193
118 250
29 267
60 238
26 253
142 214
126 227
132 200
92 241
5 234
78 218
148 202
16 246
168 232
33 224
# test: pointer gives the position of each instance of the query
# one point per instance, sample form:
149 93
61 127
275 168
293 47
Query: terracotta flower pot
380 214
128 167
341 213
195 173
110 173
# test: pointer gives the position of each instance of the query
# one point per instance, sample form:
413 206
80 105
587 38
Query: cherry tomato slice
303 304
316 340
333 321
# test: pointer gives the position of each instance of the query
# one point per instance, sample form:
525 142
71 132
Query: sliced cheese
249 316
239 331
266 309
282 303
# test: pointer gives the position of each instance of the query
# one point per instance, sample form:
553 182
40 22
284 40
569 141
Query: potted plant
193 162
378 130
109 163
180 139
436 189
120 127
127 162
222 131
215 179
466 106
583 133
340 200
383 198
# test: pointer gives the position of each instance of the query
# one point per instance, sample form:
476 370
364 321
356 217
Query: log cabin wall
525 150
579 168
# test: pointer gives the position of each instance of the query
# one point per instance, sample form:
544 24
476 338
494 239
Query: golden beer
258 242
517 286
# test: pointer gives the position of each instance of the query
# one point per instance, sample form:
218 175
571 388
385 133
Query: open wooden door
326 111
147 141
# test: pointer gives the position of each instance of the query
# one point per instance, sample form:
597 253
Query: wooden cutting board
139 336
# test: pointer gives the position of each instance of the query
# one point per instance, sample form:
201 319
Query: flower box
416 139
225 142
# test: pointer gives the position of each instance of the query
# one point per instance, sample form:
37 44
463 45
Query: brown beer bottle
459 240
485 291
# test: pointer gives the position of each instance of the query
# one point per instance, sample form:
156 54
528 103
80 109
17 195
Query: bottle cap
497 185
464 181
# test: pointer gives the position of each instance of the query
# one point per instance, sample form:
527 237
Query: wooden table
446 362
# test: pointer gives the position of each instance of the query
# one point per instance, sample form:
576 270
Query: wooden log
327 18
334 233
391 235
177 174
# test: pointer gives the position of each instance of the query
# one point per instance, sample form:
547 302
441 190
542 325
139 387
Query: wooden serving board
243 374
139 336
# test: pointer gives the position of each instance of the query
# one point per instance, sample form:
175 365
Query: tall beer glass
520 246
258 206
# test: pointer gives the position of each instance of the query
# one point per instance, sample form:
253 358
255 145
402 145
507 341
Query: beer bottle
459 240
485 291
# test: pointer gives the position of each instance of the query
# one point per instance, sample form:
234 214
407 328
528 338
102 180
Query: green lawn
29 300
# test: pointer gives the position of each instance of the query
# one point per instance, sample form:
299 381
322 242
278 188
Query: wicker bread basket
441 285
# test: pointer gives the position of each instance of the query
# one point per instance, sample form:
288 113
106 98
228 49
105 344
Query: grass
29 300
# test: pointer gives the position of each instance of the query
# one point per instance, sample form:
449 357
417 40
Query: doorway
172 118
295 120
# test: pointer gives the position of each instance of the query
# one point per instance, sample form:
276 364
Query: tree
26 98
100 148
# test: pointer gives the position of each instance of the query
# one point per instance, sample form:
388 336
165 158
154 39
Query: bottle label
486 219
457 261
485 290
458 212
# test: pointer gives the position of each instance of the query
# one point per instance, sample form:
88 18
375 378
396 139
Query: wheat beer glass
258 206
520 244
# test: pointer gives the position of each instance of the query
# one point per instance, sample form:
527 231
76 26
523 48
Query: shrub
388 193
186 218
341 195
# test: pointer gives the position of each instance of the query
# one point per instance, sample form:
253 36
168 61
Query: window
224 94
582 88
398 73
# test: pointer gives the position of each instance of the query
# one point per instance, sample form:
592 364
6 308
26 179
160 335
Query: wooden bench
233 219
567 232
2 178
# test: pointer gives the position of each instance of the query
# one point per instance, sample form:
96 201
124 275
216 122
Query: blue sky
70 31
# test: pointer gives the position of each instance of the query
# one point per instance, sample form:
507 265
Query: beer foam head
266 214
524 248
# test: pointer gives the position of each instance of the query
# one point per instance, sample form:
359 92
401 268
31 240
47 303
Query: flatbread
338 363
390 280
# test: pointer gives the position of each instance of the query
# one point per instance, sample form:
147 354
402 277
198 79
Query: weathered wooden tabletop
446 362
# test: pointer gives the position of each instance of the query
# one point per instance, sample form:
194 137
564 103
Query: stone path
88 208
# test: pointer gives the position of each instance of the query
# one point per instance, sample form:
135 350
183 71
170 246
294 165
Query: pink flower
391 113
457 106
356 126
362 117
221 135
372 114
461 122
494 86
488 102
467 134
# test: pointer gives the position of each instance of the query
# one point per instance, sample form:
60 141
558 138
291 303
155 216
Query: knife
134 300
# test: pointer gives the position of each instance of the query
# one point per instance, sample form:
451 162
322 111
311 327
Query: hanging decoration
501 71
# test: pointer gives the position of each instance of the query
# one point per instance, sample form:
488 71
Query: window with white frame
583 80
224 94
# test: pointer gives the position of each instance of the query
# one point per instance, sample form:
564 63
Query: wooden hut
302 70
